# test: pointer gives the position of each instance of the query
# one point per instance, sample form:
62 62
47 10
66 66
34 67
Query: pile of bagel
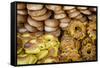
74 27
21 17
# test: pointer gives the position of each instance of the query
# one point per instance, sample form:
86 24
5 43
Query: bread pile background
73 27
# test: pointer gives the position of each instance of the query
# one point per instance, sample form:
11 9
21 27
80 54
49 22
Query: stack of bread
55 33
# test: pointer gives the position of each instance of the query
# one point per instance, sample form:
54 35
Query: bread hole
78 29
89 51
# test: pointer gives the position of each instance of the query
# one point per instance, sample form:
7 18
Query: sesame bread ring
71 11
77 29
59 16
66 19
88 51
30 28
64 23
43 17
51 22
37 12
82 8
54 7
74 14
86 12
50 29
68 7
34 6
59 12
33 22
79 16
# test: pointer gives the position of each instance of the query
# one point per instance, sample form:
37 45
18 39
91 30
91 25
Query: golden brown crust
88 51
77 29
